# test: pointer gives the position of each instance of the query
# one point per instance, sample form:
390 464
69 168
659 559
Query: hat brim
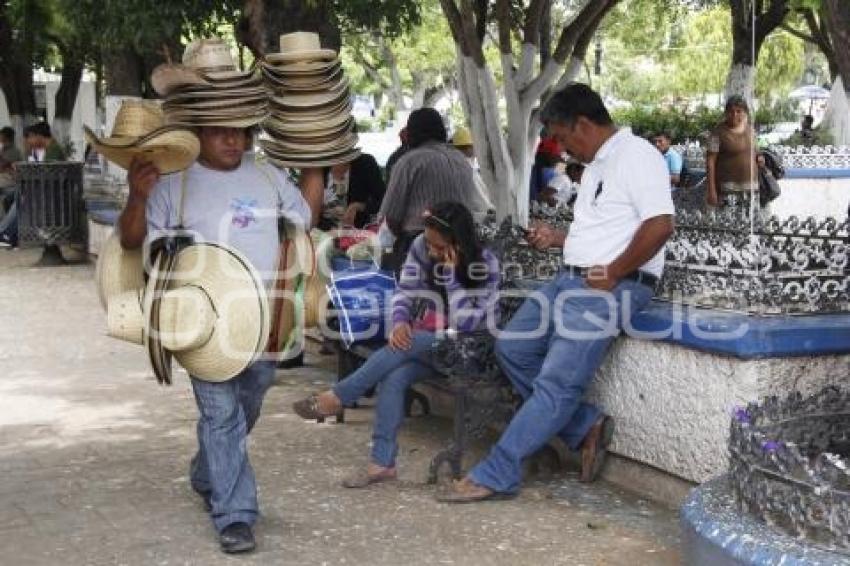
301 68
241 304
170 77
323 80
170 150
346 141
117 270
300 102
309 55
314 162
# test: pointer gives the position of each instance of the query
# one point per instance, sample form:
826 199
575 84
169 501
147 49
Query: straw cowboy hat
117 270
208 90
207 62
301 46
310 107
140 129
210 311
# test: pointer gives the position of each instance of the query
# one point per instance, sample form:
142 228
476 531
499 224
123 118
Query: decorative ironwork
50 204
788 265
793 157
789 465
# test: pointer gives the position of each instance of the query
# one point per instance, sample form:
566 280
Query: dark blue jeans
552 369
220 468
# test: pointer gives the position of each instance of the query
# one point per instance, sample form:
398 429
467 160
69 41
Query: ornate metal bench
466 364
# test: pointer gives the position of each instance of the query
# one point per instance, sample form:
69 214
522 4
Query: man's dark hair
425 124
8 133
573 101
38 129
665 135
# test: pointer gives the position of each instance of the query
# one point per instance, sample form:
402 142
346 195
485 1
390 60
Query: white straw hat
211 314
140 130
301 46
117 270
206 62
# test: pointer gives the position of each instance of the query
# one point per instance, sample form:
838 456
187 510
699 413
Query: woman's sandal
362 478
308 408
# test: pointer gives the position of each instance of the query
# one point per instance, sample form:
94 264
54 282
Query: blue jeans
553 371
393 372
220 468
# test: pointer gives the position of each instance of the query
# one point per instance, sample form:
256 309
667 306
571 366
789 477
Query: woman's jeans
220 469
393 371
550 351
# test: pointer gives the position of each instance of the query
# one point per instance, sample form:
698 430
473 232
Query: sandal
308 409
467 491
362 478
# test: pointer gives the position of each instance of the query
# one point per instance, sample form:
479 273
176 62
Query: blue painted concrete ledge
716 533
742 335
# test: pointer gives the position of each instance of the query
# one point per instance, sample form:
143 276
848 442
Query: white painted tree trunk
61 130
18 122
741 81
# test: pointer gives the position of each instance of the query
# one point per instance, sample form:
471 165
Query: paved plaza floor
94 457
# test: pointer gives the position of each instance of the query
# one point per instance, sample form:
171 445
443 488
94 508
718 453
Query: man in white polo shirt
613 256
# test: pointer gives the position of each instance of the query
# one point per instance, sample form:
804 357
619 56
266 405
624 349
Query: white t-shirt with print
238 208
626 183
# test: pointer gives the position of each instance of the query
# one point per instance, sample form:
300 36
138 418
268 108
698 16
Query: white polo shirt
626 183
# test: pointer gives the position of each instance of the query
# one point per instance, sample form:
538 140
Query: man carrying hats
229 198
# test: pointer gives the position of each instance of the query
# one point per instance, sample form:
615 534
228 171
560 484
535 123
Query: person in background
731 157
807 131
9 154
673 158
396 155
548 162
462 140
431 171
41 147
40 144
353 193
448 261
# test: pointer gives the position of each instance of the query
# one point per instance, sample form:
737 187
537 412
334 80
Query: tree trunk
123 70
396 87
16 79
749 30
837 14
505 157
66 97
285 16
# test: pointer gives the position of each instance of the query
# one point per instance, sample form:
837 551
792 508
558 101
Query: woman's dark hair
454 222
737 101
38 129
425 124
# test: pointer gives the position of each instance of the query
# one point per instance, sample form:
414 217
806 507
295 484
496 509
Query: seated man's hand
542 236
401 337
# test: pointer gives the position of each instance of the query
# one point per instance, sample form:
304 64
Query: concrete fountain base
716 533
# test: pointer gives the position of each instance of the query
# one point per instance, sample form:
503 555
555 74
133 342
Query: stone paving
94 454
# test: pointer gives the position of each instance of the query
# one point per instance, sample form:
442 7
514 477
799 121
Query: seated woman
353 193
448 264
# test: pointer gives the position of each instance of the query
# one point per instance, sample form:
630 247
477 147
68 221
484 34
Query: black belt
637 275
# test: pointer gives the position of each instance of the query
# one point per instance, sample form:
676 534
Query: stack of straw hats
210 311
140 130
208 90
310 123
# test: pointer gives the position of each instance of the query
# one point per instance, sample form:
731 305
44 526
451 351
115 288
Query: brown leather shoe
594 448
467 491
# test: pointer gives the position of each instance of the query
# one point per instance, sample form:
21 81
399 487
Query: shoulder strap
183 183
